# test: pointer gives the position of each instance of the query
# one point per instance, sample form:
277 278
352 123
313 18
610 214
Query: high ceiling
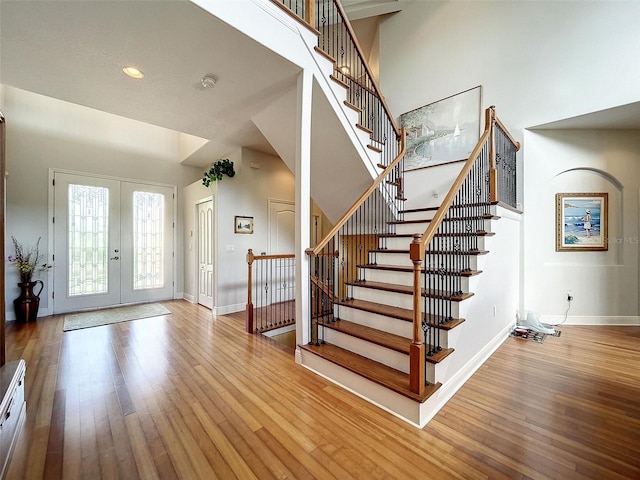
75 51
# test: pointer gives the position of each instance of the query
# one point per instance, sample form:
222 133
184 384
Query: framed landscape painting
242 224
581 221
443 131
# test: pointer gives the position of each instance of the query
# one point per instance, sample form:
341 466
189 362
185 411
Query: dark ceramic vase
26 305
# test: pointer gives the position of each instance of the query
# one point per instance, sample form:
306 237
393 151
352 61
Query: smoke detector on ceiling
208 81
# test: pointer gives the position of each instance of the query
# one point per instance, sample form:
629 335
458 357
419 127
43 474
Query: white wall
246 194
44 133
604 284
538 62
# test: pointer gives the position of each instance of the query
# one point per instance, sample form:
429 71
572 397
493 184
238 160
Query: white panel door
282 240
205 253
113 242
282 227
86 242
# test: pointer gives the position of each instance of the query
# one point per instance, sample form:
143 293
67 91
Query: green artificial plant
216 170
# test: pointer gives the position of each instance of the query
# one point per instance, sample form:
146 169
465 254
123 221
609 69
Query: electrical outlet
569 296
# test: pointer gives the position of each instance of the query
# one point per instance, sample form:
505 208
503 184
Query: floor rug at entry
96 318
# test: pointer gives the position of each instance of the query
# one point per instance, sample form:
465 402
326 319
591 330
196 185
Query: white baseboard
225 309
189 298
632 320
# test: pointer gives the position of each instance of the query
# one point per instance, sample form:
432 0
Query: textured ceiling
74 51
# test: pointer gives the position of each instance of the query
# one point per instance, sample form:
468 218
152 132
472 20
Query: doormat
528 334
96 318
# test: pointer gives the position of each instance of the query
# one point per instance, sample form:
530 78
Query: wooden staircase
370 332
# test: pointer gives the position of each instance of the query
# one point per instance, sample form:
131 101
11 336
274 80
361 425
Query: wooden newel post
490 119
310 12
250 258
416 350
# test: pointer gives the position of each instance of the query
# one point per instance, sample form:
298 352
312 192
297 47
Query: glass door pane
86 242
88 235
148 240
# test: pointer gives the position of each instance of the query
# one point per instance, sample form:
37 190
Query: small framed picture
581 221
243 224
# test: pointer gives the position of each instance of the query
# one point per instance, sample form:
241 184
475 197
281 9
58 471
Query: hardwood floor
193 396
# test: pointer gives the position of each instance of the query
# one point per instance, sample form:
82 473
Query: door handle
115 258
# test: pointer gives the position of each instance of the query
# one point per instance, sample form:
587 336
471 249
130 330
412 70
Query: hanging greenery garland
217 170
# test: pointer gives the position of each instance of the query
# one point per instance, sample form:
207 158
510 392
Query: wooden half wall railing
441 256
271 291
337 40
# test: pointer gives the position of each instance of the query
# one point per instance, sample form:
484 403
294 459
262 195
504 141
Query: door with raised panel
205 253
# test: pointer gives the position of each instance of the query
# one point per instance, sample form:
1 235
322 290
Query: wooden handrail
318 248
366 67
270 257
506 132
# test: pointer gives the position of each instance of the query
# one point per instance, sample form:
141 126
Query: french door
113 242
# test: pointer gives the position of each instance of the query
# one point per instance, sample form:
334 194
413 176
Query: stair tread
370 369
448 219
352 106
384 339
338 81
434 208
404 314
452 252
408 290
408 268
448 252
374 148
363 128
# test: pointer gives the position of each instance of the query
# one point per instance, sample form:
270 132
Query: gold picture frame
242 224
582 222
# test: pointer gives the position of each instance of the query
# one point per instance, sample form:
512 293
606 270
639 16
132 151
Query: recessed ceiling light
133 72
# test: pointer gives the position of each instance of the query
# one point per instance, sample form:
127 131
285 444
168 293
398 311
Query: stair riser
374 320
391 325
419 215
411 228
402 243
396 299
421 227
402 259
326 66
406 278
395 243
391 358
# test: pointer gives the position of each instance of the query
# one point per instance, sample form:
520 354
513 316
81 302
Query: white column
303 205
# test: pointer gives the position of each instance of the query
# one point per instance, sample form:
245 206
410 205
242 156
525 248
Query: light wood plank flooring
193 396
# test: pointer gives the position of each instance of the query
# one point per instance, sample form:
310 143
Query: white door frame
51 210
